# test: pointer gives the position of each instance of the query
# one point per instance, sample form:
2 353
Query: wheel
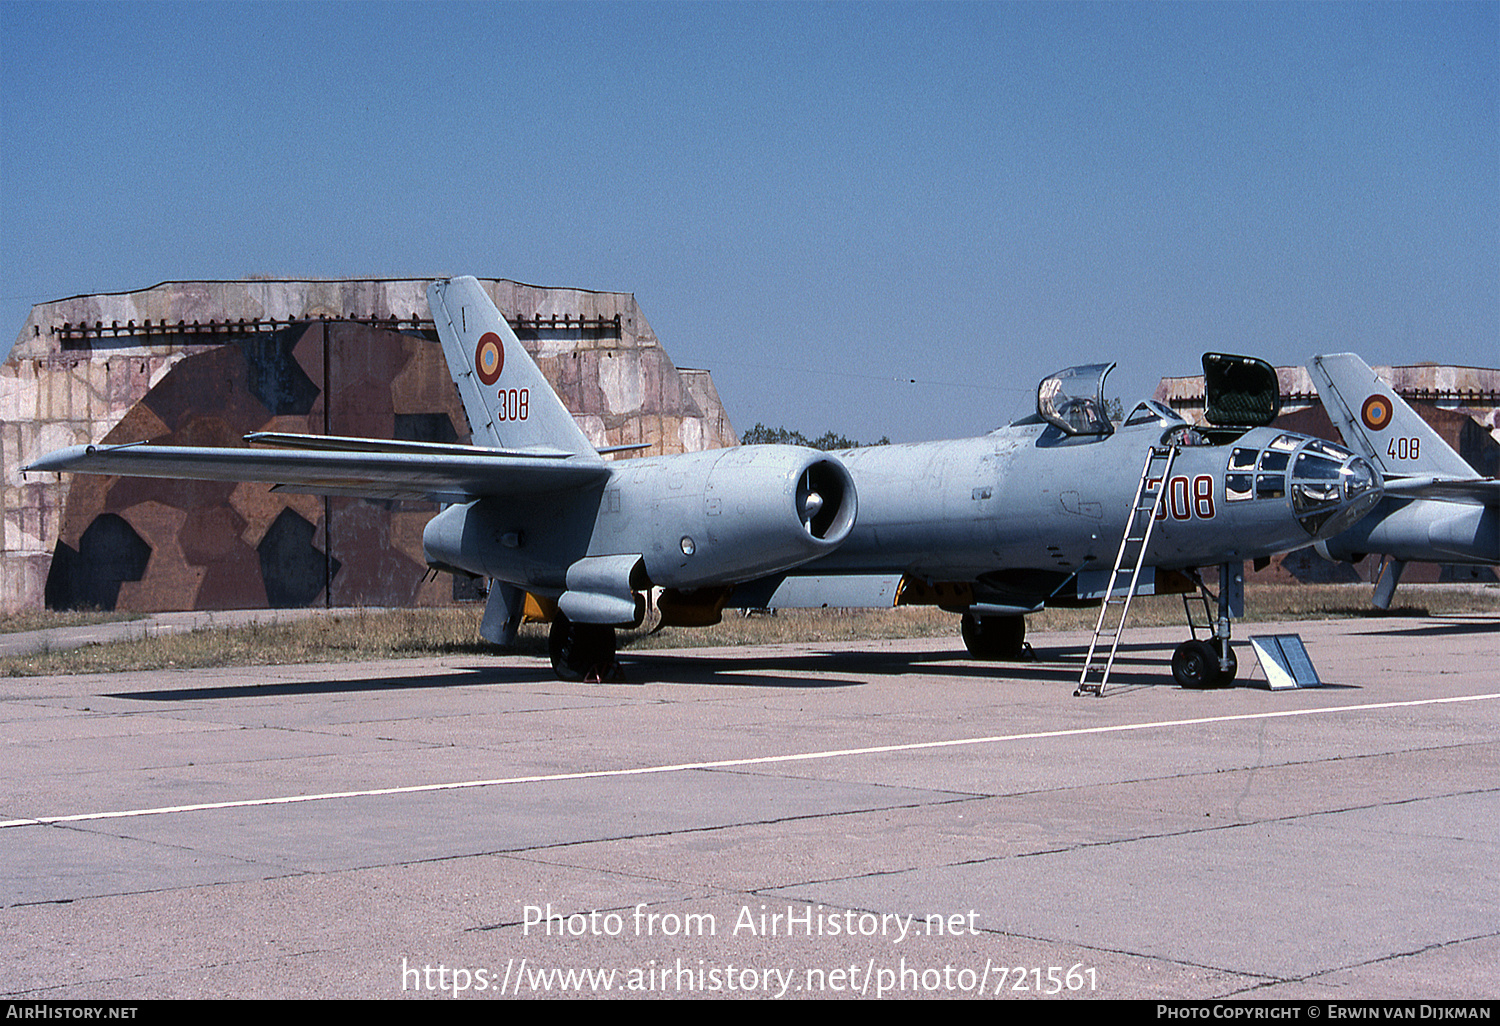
579 650
994 637
973 634
1195 664
1226 675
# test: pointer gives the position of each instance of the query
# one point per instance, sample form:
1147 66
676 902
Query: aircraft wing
1481 490
345 443
439 474
342 443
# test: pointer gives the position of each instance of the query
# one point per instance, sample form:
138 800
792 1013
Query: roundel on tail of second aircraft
1376 413
489 358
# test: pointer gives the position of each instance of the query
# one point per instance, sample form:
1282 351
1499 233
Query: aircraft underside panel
814 591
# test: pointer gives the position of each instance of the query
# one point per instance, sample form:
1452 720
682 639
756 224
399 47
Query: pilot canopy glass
1073 400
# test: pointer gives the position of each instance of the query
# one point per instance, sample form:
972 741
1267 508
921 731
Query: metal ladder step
1133 543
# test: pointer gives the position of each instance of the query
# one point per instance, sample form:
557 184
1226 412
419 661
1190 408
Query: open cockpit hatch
1239 393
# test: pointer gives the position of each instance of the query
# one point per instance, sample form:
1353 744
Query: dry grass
42 620
345 635
342 635
1267 603
1304 602
355 634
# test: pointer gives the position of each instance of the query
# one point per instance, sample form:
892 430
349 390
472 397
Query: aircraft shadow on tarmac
456 677
1053 667
854 668
1146 664
1452 625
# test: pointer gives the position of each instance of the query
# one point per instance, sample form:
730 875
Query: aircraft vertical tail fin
510 403
1378 423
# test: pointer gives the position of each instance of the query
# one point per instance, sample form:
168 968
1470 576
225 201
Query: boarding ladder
1133 543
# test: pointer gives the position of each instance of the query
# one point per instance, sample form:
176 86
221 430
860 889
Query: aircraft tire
994 637
1195 664
579 649
1226 676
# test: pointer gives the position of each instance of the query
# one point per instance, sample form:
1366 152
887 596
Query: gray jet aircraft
1436 508
990 528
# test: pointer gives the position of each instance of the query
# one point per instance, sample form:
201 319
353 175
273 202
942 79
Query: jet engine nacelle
690 520
1337 550
1420 530
731 515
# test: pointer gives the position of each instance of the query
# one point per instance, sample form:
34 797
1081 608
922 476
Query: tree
762 435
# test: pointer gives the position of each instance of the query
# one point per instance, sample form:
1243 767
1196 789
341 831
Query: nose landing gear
1211 662
1200 664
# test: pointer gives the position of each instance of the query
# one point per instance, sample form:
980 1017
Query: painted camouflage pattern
153 545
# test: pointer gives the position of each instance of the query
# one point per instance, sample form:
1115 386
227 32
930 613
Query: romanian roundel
1376 413
489 358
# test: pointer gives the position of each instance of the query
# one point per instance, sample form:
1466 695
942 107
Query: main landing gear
1211 662
582 651
996 638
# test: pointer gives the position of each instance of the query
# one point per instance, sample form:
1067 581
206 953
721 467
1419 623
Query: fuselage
1028 496
1028 499
1422 530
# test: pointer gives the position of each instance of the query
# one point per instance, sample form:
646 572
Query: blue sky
880 219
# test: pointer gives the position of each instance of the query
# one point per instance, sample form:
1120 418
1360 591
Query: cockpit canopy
1239 392
1073 400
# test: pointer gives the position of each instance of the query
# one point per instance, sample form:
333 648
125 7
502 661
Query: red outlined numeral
1203 497
1185 500
515 404
1177 498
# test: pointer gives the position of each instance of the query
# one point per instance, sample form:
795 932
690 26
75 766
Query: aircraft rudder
509 401
1375 420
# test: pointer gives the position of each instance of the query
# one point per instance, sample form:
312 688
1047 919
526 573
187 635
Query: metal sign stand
1285 661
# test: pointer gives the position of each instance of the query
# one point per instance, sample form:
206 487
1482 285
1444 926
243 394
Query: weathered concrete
1334 844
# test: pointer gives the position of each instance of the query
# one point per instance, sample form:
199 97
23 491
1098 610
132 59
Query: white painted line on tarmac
763 760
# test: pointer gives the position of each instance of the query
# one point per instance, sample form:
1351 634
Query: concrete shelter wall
325 368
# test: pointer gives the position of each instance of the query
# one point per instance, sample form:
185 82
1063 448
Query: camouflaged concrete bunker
205 363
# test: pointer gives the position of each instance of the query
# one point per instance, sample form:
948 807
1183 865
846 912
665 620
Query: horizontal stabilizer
1481 490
